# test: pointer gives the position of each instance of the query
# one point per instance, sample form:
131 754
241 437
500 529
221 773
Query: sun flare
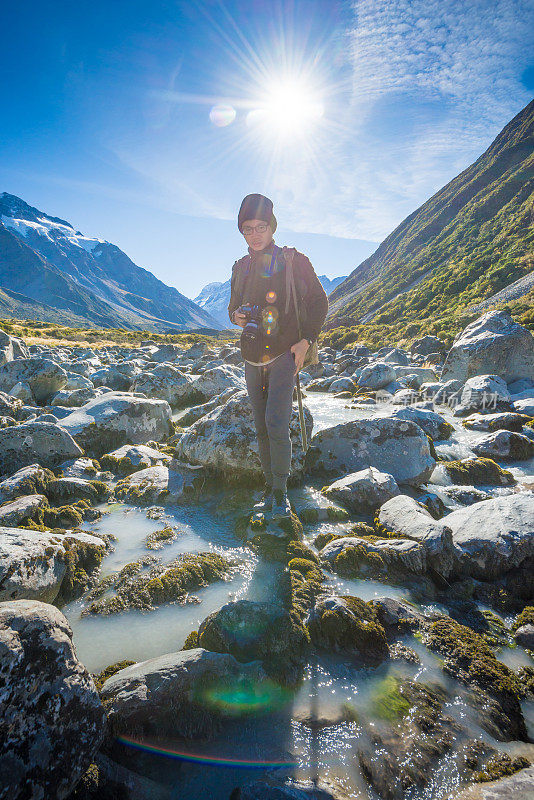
290 109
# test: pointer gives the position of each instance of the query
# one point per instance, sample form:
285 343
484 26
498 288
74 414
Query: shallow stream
330 685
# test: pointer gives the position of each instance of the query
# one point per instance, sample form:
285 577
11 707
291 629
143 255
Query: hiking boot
281 506
264 504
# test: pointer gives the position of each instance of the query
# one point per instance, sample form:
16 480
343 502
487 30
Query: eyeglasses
248 230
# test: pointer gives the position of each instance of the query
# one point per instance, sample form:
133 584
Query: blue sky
348 115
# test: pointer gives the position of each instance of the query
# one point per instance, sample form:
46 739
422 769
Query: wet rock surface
390 613
52 720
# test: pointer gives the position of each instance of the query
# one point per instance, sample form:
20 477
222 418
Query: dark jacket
269 292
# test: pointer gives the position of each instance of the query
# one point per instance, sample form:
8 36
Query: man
259 279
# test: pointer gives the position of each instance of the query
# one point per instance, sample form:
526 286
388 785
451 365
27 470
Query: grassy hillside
471 239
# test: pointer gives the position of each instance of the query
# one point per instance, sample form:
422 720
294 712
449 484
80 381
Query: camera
252 314
251 335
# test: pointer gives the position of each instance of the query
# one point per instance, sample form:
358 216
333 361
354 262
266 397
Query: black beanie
256 206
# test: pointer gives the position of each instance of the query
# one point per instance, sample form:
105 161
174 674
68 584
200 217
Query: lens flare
222 115
271 297
201 758
269 319
242 698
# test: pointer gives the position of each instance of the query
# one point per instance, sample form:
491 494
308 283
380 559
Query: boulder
74 398
524 636
28 480
112 378
42 442
492 344
52 720
167 352
167 383
472 472
251 630
157 484
428 344
485 392
21 391
513 787
394 614
131 458
342 385
504 421
9 405
376 376
68 490
397 447
431 423
363 491
196 412
75 381
11 348
79 468
524 405
348 624
403 516
396 356
180 694
43 376
505 446
15 512
290 789
442 393
115 419
494 536
43 566
224 440
357 557
216 380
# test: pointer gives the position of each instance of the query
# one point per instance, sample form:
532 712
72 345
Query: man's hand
239 319
300 349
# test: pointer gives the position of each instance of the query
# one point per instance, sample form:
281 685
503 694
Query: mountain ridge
467 242
215 296
43 258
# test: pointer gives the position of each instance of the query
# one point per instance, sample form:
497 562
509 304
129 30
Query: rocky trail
158 642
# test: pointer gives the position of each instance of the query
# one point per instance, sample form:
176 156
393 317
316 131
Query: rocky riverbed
377 644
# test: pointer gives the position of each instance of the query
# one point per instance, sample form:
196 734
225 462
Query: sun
289 110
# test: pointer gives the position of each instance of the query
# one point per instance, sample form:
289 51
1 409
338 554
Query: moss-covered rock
348 624
526 617
470 660
158 539
359 530
191 641
253 631
357 560
411 734
100 677
478 471
165 583
525 676
271 538
499 766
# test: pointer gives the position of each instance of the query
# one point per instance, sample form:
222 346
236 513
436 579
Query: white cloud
431 83
449 72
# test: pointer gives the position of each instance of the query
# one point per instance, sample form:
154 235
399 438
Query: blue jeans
272 413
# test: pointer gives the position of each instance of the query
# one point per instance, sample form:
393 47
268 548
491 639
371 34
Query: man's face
257 239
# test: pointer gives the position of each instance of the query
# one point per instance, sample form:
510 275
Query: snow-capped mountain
214 297
47 266
329 284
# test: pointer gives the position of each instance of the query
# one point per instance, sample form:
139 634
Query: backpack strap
289 254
